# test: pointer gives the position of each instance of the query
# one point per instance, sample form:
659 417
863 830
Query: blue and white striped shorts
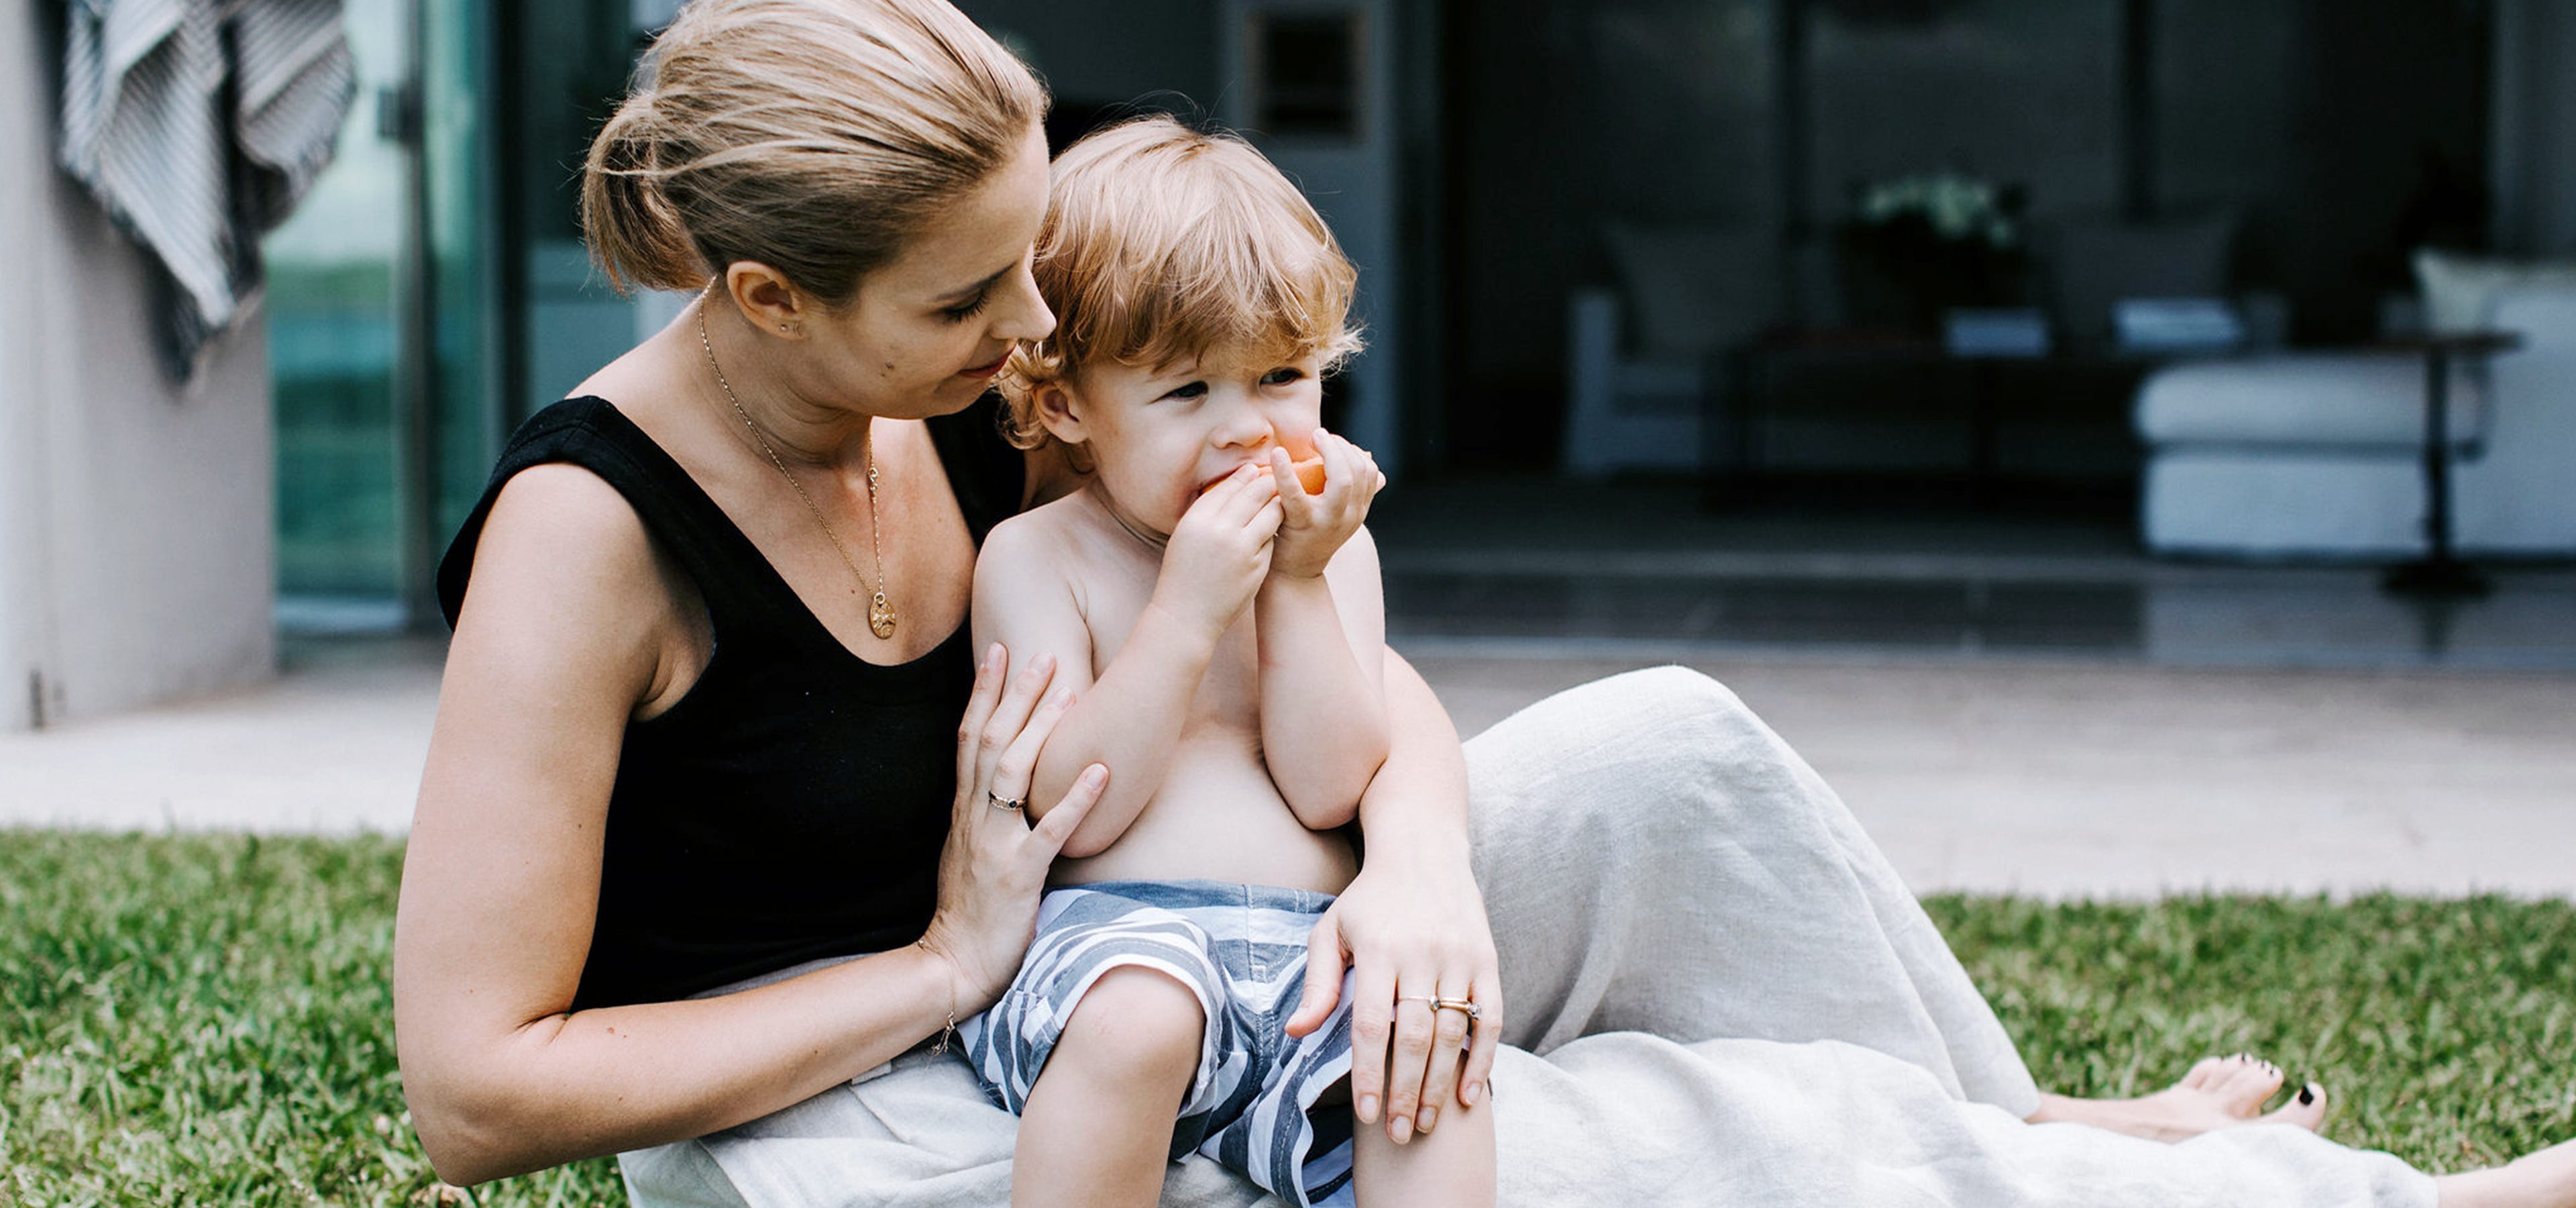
1242 950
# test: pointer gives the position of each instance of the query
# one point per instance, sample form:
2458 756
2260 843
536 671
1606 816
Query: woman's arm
1324 728
560 641
1413 923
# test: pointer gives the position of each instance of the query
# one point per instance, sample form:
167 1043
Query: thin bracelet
949 1032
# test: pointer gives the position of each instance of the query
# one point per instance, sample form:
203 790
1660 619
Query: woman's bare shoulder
562 515
566 573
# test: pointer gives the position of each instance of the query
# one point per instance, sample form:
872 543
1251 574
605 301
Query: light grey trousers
1718 991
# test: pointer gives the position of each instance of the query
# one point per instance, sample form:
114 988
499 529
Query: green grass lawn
206 1020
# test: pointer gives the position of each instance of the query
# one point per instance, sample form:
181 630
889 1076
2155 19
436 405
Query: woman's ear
1060 411
765 298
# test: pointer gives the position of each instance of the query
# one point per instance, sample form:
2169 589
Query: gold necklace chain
880 613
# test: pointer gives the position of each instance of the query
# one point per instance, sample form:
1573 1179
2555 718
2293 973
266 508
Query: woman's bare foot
2220 1092
2546 1179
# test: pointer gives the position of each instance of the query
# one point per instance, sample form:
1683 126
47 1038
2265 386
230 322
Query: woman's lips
985 371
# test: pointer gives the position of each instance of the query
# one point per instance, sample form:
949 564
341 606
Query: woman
681 884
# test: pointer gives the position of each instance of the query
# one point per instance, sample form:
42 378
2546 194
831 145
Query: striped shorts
1241 949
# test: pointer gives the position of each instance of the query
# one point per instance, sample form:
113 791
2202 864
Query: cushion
2094 263
1695 289
2301 400
2460 291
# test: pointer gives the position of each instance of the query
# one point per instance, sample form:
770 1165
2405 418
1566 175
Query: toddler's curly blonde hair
1162 243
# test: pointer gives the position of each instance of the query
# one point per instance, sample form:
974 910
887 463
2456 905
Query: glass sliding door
335 307
434 291
460 419
495 310
564 67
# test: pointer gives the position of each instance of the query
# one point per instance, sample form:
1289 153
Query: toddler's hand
1220 551
1312 527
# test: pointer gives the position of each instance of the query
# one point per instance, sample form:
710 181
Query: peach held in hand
1310 475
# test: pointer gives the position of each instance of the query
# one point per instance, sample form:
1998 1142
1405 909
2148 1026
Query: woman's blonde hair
1161 243
813 136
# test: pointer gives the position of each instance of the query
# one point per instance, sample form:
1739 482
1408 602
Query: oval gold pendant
880 616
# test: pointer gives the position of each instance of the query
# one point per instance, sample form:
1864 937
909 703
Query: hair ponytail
636 235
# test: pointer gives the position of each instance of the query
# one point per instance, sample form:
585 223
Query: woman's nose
1026 318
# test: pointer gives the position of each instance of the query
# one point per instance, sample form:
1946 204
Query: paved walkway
2056 779
2124 780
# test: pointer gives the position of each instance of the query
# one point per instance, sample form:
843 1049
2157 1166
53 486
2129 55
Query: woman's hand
994 868
1410 926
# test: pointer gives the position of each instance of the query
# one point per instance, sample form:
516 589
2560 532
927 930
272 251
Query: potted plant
1918 245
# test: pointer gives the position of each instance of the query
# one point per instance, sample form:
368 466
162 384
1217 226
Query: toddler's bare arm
1324 728
1131 718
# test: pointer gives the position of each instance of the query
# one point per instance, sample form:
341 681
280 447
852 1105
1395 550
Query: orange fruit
1310 475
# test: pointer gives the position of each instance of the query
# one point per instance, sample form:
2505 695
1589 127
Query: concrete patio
2052 778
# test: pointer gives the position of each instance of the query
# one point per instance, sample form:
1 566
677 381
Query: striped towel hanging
198 124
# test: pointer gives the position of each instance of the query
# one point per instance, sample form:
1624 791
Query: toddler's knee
1135 1028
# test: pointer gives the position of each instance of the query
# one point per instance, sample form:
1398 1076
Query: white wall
136 520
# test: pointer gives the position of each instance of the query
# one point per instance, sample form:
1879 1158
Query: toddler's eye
1282 376
1192 390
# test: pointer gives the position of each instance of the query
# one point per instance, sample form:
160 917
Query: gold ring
1000 802
1438 1003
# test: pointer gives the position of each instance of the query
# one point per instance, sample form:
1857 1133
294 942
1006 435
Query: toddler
1222 625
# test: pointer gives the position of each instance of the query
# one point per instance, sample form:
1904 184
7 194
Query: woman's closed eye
967 309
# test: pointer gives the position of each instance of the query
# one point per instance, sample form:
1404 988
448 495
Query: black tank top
792 805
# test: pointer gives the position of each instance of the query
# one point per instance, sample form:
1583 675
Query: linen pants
1717 991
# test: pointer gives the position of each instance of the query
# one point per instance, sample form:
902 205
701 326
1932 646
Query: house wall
136 542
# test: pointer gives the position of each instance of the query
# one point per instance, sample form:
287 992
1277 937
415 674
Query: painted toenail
2307 1094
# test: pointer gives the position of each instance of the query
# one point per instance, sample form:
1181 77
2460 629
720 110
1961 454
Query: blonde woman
712 849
